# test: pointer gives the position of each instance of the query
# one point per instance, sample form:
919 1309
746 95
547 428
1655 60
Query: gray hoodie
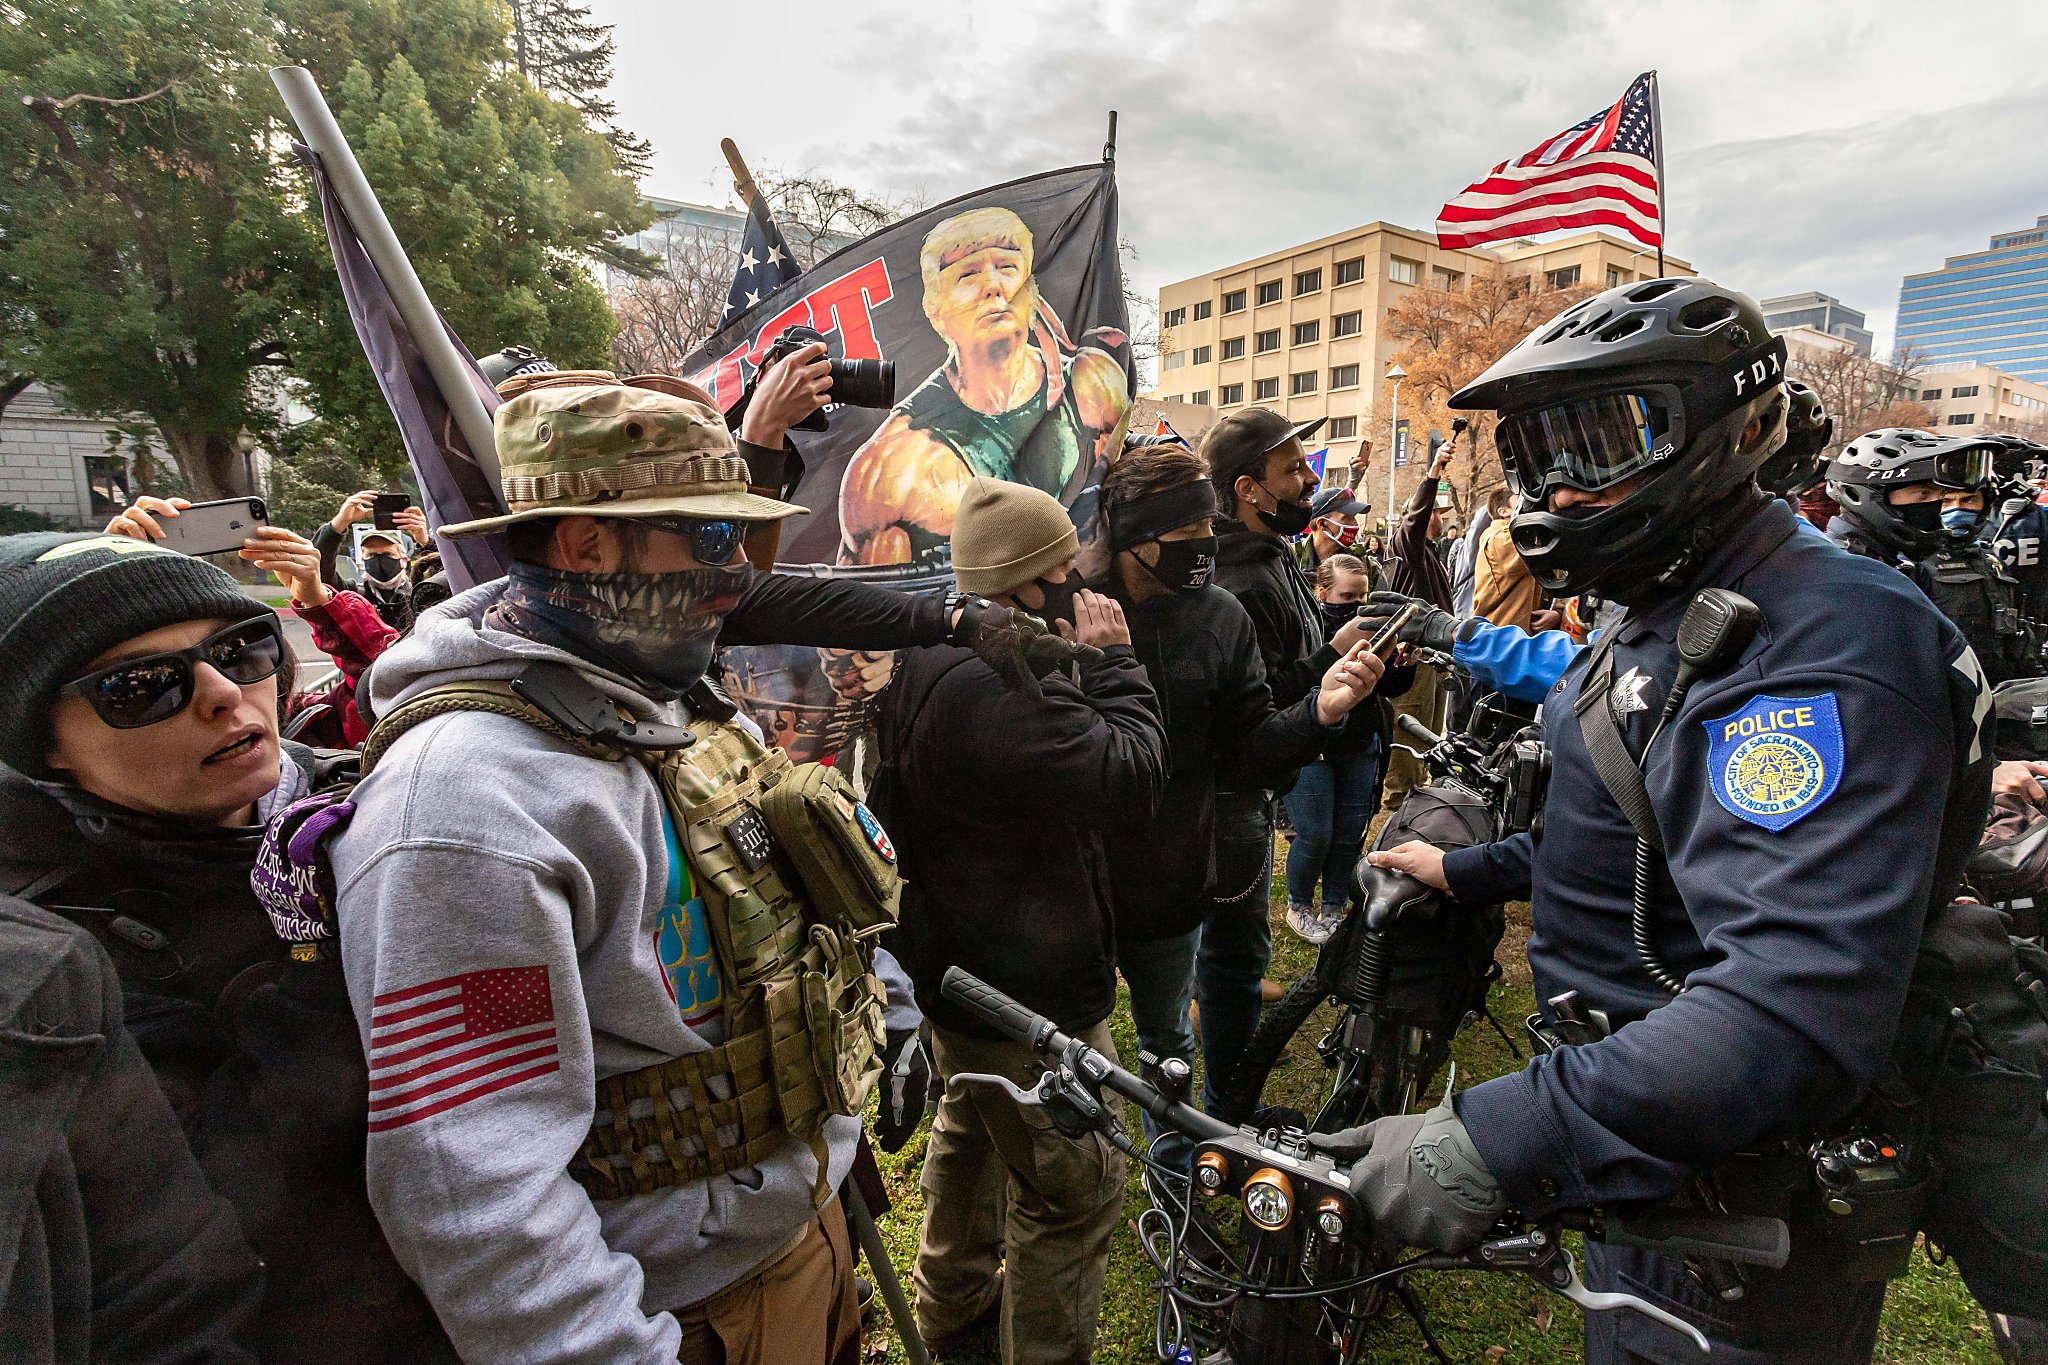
506 909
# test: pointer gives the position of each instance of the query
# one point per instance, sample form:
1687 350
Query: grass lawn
1929 1316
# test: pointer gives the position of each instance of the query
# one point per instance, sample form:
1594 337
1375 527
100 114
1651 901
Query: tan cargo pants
797 1309
1002 1187
1424 701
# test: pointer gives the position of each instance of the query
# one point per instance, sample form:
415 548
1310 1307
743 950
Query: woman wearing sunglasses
139 695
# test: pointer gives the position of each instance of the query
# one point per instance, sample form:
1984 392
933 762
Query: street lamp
1396 374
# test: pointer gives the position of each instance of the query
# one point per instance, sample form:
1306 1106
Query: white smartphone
211 528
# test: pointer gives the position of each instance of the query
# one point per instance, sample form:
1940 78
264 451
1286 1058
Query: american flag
765 264
1600 172
448 1042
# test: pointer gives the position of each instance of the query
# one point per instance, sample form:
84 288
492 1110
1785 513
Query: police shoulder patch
1777 759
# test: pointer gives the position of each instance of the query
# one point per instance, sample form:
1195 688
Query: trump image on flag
1603 171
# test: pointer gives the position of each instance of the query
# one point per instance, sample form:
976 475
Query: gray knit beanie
65 599
1006 534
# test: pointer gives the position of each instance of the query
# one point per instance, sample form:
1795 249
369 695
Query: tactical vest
1982 600
797 880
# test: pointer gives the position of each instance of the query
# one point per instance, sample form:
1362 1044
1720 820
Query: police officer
1811 796
1925 500
2021 540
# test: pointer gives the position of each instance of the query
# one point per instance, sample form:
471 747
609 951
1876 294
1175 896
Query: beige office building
1977 398
1301 330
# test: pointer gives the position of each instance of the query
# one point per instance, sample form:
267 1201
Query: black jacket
1262 575
1419 568
996 801
259 1056
1202 655
112 1248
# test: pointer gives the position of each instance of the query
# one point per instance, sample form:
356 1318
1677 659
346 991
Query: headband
1152 516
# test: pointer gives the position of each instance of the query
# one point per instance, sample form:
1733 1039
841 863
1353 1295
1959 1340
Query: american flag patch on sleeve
440 1045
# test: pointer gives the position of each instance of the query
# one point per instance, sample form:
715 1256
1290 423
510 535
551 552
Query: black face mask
1922 518
1287 518
1336 615
1059 599
1184 565
383 567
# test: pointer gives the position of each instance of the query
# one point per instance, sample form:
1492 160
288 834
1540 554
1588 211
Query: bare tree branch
44 101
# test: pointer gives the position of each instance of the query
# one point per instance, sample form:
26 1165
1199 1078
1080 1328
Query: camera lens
864 383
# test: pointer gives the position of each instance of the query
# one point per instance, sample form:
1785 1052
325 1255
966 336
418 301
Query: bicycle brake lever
1594 1301
1015 1091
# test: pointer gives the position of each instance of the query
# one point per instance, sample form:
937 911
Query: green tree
565 52
144 230
501 195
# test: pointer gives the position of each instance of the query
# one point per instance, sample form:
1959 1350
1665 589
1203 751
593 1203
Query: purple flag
453 486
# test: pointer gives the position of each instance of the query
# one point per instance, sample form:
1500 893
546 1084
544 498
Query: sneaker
1309 925
1332 917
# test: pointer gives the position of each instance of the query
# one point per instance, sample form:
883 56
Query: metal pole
1109 147
1393 454
886 1284
316 124
1657 146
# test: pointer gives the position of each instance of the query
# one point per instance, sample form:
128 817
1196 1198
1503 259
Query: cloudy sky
1833 145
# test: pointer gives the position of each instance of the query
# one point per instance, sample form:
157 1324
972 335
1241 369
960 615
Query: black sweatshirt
1202 655
996 802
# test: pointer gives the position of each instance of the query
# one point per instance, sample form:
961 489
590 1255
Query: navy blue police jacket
1813 800
2021 544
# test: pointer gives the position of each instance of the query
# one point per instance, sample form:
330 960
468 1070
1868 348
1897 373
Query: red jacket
349 630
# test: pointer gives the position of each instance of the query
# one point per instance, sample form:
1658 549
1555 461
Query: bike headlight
1269 1199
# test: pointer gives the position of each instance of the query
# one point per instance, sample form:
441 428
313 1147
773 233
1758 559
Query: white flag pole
317 126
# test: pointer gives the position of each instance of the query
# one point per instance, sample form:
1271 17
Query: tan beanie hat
1006 534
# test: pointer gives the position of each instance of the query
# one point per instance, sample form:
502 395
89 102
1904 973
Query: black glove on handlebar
1431 628
1421 1181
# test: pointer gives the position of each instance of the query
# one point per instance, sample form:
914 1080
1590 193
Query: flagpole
742 178
309 110
1657 144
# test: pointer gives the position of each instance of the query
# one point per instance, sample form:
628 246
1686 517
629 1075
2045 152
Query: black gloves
1420 1180
1020 647
905 1084
1431 627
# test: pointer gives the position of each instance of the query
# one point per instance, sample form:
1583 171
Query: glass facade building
1988 307
1823 313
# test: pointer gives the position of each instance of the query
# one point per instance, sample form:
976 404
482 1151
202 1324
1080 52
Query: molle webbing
641 1141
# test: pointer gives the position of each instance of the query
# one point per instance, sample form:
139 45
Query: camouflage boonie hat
606 449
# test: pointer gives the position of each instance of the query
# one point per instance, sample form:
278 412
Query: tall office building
1823 313
1301 330
1985 308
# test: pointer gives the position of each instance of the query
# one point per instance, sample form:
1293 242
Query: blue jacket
1813 800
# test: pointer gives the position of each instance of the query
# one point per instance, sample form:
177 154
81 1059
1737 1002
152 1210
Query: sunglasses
138 692
713 543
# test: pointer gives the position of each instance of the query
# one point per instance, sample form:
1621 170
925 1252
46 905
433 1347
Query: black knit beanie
66 598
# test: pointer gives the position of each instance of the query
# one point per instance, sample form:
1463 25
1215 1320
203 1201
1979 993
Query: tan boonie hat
606 449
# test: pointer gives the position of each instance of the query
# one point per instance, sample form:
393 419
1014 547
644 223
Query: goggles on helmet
1963 469
1587 443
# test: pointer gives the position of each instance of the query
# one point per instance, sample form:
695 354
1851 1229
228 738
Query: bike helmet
1656 382
1809 430
1869 467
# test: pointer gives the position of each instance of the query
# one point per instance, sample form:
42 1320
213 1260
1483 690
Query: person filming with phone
382 560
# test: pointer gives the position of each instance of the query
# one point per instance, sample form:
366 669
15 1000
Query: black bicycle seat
1389 896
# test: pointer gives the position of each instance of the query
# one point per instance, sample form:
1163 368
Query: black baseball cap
1236 444
1337 502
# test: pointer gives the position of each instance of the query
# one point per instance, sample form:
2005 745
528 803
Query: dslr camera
855 383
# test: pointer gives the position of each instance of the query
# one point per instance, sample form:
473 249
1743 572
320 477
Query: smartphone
211 528
1389 636
384 512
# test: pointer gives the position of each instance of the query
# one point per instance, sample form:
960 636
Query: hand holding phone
1389 636
384 511
193 528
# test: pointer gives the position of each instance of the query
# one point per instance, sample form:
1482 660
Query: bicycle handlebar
1041 1035
1417 731
1727 1237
